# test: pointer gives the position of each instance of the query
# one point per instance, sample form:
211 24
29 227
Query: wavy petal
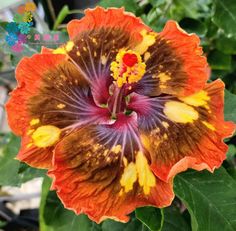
107 18
175 64
29 73
103 176
184 132
51 98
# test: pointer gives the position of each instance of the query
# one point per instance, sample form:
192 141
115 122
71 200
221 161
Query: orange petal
45 50
92 181
191 134
34 156
187 49
29 73
95 42
113 18
51 95
174 64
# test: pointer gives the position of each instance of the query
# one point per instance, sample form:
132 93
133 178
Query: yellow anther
128 67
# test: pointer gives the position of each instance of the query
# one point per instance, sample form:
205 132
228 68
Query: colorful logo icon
18 30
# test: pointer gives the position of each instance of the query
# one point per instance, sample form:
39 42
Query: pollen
147 55
198 99
94 41
46 136
29 145
116 149
148 39
128 67
165 124
163 79
30 131
34 122
104 59
208 125
60 50
69 46
61 106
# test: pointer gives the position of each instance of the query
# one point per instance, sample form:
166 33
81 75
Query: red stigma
130 59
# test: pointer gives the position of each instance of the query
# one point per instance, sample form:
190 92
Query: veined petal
51 98
29 73
95 41
107 18
184 132
105 174
175 64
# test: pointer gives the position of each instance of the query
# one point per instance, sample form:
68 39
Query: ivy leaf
152 217
209 198
225 16
230 106
11 172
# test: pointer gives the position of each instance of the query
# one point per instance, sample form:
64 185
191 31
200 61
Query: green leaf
225 16
226 45
231 151
219 60
11 172
61 16
54 217
209 198
130 5
132 225
152 217
2 224
174 220
193 26
45 190
230 106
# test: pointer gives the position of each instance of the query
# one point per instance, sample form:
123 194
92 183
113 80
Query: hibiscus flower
117 112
